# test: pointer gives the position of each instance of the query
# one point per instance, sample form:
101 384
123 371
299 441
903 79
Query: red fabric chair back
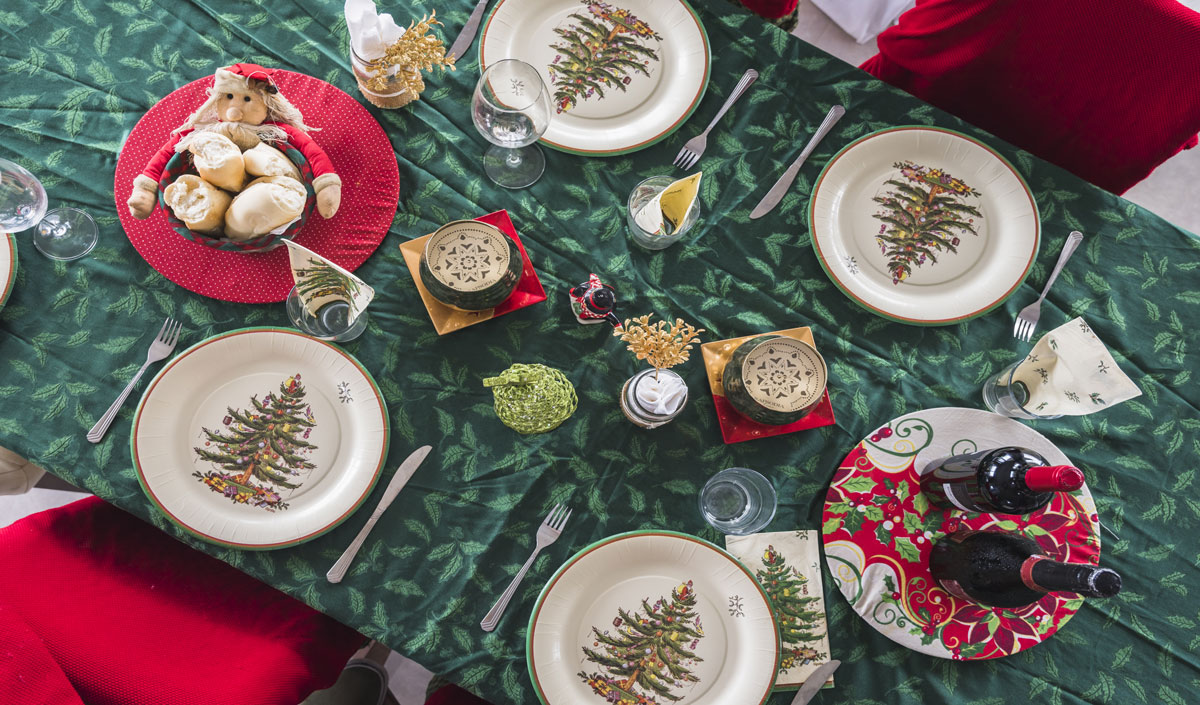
1107 90
133 617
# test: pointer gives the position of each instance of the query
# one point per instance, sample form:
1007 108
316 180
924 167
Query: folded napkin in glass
1071 373
320 282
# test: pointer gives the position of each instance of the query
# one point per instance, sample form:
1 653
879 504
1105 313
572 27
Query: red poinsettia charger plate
878 531
361 155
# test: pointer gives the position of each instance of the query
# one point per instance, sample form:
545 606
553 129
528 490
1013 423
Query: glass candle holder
1005 396
331 323
642 194
394 93
642 390
738 501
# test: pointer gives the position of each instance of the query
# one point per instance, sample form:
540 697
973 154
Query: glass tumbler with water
738 501
332 321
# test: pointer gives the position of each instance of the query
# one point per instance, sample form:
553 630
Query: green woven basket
532 398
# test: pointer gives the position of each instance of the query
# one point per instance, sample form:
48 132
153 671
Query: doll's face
242 105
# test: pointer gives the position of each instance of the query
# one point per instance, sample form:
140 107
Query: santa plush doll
245 105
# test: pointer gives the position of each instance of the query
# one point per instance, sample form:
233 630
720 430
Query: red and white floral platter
878 530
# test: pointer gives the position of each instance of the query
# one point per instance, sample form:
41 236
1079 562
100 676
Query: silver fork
1027 319
162 346
547 533
694 148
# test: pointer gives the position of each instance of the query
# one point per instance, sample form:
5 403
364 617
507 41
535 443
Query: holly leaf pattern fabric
78 75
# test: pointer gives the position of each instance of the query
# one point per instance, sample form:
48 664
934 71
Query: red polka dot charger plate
361 154
879 529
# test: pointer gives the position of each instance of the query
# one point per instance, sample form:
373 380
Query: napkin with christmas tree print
670 206
319 281
788 566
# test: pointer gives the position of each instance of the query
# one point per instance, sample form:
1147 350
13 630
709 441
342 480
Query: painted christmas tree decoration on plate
923 218
923 225
652 618
787 565
648 653
625 73
879 529
598 50
265 442
251 426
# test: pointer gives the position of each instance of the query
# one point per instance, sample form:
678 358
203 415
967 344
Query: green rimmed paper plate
260 438
8 266
650 613
622 75
924 225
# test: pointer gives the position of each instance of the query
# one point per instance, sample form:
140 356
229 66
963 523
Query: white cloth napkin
663 395
370 32
863 19
1070 373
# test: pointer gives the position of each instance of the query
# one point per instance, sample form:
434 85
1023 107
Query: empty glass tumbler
738 501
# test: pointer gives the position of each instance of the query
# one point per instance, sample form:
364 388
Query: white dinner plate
331 445
639 106
8 265
884 201
727 648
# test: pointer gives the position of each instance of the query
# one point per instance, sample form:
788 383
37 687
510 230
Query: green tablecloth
77 75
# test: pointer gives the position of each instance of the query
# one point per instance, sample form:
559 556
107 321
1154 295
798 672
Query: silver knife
775 195
467 35
403 473
813 683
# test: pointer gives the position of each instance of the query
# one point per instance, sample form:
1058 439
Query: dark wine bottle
1002 569
1000 481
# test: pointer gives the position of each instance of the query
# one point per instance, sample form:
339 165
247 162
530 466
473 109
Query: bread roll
218 160
284 181
197 203
262 207
265 160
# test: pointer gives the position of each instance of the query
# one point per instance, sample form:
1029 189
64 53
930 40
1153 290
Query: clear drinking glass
331 323
63 233
1006 396
738 501
511 108
642 194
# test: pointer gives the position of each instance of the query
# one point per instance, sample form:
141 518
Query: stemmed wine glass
511 108
63 233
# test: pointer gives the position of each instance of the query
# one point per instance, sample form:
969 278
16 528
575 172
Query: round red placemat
361 155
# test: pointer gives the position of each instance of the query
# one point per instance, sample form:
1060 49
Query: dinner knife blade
775 195
467 35
402 476
814 682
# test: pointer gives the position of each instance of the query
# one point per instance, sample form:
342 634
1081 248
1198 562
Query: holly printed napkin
788 566
1070 373
319 281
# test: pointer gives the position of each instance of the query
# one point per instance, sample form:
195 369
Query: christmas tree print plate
622 75
652 618
8 265
923 225
878 529
260 438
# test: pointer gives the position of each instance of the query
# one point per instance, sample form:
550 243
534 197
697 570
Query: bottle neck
1042 574
1053 478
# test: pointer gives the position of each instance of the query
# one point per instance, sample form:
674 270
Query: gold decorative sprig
416 50
657 344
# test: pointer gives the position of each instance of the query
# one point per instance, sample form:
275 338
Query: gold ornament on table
416 50
661 346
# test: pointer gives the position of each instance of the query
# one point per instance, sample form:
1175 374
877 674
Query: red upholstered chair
771 9
129 616
1107 90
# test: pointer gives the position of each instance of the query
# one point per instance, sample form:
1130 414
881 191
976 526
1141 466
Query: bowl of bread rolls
216 195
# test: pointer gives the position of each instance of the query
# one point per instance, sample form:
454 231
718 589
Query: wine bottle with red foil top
1007 480
1002 569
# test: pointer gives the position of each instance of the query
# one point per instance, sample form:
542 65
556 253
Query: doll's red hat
250 72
